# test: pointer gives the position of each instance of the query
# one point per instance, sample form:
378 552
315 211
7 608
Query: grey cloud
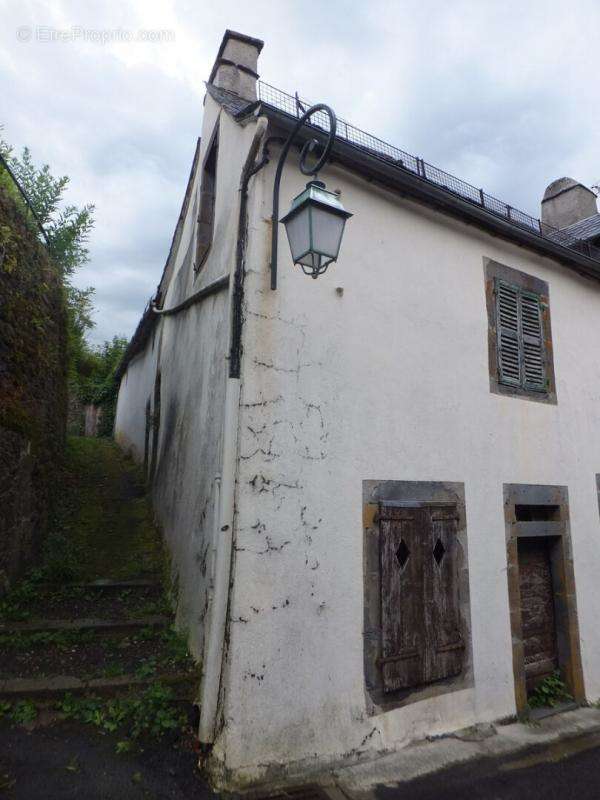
501 94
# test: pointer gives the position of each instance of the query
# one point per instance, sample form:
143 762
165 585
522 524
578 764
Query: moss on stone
33 387
104 513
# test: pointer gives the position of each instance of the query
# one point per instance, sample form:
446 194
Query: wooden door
537 609
445 644
402 613
420 612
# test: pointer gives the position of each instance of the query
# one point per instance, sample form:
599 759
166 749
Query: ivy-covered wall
33 393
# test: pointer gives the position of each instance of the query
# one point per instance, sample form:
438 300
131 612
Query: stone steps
106 584
106 599
88 635
100 626
91 638
54 688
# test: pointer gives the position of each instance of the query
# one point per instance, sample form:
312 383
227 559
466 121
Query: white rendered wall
192 357
387 380
136 388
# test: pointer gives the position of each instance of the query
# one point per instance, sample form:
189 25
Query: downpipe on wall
212 665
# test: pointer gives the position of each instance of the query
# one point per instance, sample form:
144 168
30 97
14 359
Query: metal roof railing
294 107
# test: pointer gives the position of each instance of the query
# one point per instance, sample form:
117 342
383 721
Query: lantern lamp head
315 226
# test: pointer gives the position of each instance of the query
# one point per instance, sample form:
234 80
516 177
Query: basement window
530 513
206 212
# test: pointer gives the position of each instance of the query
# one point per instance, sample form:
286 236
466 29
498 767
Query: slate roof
378 160
231 102
412 176
584 230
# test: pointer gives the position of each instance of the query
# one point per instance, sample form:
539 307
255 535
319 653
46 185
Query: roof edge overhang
148 320
405 183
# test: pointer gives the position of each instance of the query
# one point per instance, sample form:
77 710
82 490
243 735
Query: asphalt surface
567 770
69 760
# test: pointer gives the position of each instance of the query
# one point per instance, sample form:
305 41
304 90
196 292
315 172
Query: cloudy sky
504 94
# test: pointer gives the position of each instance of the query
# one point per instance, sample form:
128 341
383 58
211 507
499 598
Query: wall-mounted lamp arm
307 149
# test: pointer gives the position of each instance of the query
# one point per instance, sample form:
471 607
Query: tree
67 228
67 231
96 369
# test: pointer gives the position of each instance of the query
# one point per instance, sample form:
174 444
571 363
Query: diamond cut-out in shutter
402 554
438 551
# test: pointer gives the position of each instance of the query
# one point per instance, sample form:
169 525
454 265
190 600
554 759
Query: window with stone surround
519 334
206 211
417 621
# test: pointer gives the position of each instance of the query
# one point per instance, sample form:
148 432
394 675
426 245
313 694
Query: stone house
380 488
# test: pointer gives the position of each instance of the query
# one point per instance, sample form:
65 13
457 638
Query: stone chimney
236 63
566 201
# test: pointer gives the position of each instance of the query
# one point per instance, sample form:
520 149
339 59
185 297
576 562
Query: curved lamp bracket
308 149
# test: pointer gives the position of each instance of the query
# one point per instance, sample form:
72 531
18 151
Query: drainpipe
223 535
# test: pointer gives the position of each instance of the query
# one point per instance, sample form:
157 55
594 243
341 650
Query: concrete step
104 626
107 584
54 688
114 600
91 649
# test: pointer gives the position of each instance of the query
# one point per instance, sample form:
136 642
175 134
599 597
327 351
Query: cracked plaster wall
385 380
377 371
191 350
136 387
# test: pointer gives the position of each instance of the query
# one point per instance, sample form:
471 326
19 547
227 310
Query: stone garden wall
33 395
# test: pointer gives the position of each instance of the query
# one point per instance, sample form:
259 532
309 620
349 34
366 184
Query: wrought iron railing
294 107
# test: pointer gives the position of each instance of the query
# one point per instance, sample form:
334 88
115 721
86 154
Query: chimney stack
236 63
566 201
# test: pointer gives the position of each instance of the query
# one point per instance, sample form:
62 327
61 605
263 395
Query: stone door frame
557 531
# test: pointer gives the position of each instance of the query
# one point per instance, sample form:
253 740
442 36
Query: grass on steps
89 654
102 528
103 524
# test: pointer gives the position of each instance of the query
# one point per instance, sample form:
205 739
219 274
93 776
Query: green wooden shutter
507 331
533 342
520 339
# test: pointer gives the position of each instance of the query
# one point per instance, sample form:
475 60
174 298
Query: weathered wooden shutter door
401 533
533 342
444 641
537 609
508 333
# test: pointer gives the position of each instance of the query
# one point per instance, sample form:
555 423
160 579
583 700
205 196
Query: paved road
73 761
568 770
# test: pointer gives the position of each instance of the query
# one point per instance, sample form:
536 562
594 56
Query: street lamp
315 222
315 226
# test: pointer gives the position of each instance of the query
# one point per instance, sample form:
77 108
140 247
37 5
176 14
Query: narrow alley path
96 686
